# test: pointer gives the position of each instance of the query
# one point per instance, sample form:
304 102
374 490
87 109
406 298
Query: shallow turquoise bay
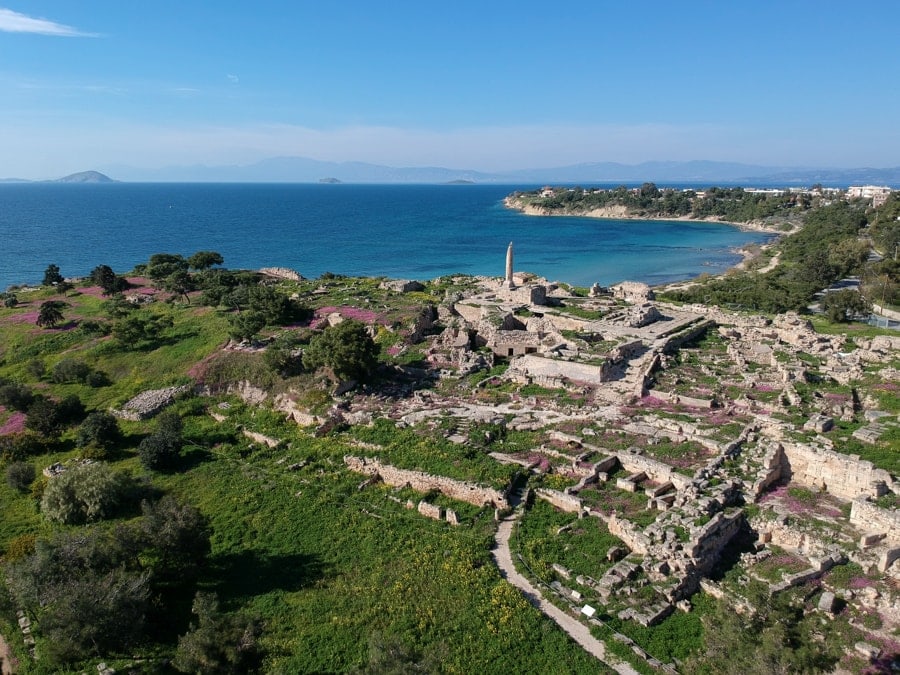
409 231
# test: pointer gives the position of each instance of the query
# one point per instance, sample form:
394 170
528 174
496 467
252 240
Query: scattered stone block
866 650
564 572
819 423
431 510
827 602
616 553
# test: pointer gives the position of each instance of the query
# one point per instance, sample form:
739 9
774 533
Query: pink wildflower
24 317
14 425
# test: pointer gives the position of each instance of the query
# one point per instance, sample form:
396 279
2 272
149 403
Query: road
577 630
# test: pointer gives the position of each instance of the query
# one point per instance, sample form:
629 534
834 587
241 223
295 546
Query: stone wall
873 519
658 471
844 476
472 493
712 538
562 501
630 535
553 369
686 335
149 403
770 471
680 399
471 313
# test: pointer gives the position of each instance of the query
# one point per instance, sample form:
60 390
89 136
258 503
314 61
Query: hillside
661 463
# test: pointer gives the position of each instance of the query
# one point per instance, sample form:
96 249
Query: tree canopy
347 350
50 314
52 275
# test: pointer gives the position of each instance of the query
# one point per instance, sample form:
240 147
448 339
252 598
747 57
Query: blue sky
488 85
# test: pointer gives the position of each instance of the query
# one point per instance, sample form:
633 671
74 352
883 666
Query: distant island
460 181
330 181
85 177
289 169
80 177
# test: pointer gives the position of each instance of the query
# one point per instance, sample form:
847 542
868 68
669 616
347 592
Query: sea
397 231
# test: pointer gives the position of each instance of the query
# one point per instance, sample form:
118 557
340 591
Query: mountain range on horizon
306 170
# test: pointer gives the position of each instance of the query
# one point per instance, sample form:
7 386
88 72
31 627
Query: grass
305 550
582 548
407 449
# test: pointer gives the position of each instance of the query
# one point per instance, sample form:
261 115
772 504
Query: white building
867 191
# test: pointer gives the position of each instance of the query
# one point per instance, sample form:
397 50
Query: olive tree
347 350
84 493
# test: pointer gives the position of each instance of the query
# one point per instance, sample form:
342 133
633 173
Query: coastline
620 212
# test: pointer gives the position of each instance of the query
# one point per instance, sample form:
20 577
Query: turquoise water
418 231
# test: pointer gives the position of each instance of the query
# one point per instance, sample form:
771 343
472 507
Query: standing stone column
508 282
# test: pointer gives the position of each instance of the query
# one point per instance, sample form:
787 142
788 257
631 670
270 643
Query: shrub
245 325
91 327
99 431
36 368
20 476
19 548
87 591
179 537
84 493
16 396
218 642
97 379
162 449
16 447
49 418
70 370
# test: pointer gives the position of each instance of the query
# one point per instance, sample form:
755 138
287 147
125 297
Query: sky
490 85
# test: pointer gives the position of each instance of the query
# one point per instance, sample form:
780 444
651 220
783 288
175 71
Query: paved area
577 630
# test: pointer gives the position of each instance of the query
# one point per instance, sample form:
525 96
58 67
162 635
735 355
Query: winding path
7 661
576 630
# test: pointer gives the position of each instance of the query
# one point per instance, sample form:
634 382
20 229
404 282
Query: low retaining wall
471 493
562 501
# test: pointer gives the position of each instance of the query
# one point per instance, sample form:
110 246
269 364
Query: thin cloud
233 78
13 22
